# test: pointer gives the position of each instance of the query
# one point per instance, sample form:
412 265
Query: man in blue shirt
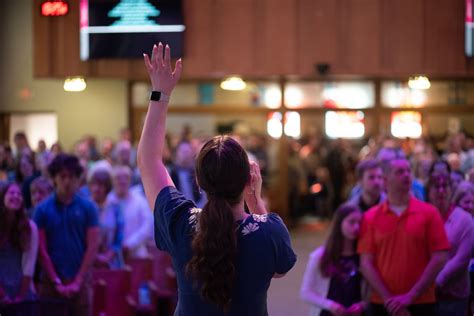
69 238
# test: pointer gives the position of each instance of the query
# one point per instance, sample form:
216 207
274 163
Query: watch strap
159 96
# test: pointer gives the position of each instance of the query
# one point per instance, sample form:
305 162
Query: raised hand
162 77
256 178
253 191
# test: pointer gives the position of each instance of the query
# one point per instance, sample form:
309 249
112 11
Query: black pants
415 310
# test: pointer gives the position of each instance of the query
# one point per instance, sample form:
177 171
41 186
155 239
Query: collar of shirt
409 209
59 202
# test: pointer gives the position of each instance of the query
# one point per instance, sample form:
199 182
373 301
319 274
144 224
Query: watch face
155 96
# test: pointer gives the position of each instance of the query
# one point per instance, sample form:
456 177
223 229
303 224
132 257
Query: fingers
167 60
177 69
154 53
253 166
159 58
393 307
148 65
257 168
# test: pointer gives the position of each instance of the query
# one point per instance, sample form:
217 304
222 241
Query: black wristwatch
159 96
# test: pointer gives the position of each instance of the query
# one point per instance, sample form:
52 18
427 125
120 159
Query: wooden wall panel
137 70
359 38
66 46
41 43
284 37
444 37
402 36
277 43
317 34
198 37
4 128
233 37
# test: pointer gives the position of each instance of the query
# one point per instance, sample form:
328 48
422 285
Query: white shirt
138 222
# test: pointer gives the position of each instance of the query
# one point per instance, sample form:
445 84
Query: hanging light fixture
74 84
233 84
419 83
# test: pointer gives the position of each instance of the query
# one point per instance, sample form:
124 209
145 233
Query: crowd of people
106 185
63 215
401 243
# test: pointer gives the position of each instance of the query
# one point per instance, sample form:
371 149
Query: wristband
159 96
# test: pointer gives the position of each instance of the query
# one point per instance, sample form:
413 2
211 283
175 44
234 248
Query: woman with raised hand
224 257
332 283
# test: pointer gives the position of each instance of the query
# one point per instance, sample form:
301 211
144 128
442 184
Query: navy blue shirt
66 231
263 247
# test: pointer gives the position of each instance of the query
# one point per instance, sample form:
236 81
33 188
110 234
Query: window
37 126
406 124
346 94
348 124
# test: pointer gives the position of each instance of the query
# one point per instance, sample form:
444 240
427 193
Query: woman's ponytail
222 170
214 249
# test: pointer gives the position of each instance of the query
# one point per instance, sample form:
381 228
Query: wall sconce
75 84
233 84
419 83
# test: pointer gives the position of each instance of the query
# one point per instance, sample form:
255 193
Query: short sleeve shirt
402 245
263 246
66 231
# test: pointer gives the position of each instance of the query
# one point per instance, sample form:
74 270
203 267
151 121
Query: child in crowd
332 283
111 223
40 189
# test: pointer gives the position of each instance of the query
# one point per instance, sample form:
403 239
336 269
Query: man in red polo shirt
403 246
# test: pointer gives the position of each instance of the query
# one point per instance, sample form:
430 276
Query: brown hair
364 165
101 176
20 234
334 244
42 182
222 171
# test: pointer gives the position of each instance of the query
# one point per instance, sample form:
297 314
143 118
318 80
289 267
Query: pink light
84 13
468 11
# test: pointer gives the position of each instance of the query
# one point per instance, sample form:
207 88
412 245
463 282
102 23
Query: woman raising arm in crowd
224 257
